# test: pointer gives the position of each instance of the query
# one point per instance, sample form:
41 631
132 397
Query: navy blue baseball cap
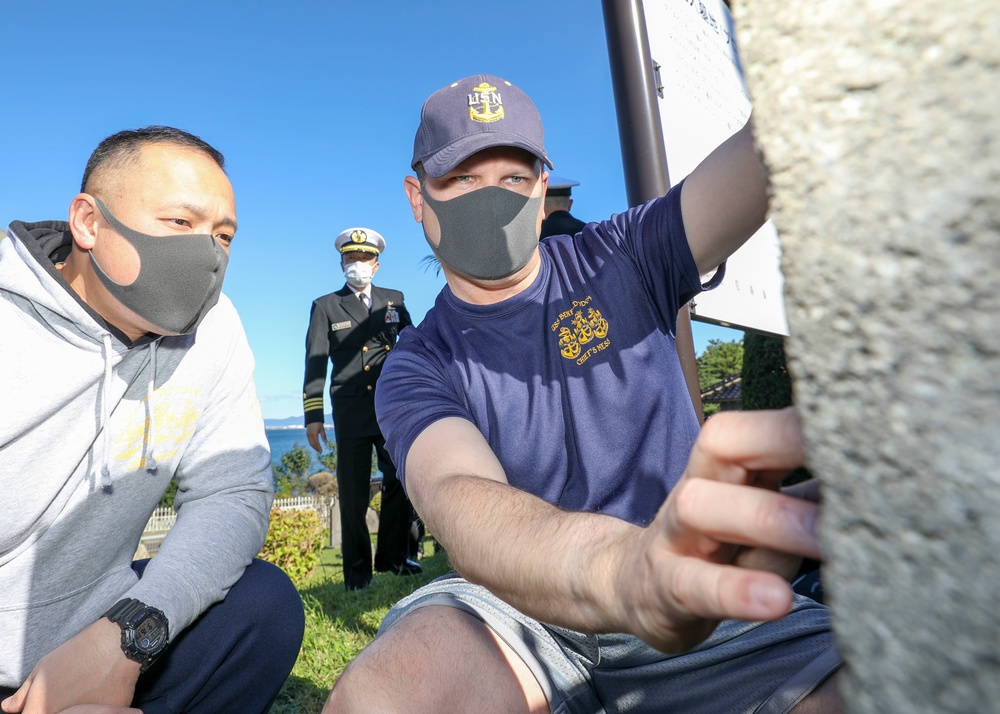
472 114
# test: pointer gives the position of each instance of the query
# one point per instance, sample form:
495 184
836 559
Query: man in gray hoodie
125 367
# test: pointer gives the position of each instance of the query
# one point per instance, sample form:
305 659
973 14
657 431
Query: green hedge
766 384
294 542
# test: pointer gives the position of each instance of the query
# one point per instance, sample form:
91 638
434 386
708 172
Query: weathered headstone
880 124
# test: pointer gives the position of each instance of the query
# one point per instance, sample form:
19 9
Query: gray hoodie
92 429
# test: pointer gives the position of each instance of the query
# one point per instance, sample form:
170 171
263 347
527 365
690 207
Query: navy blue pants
235 657
354 477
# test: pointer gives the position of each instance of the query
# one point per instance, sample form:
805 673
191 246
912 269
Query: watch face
149 633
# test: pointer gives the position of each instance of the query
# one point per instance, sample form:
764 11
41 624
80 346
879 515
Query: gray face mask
488 233
180 277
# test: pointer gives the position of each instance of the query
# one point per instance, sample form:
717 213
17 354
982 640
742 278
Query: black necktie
365 301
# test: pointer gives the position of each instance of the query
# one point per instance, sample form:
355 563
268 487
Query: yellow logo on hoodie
159 436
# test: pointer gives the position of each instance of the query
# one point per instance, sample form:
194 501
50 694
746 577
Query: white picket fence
163 519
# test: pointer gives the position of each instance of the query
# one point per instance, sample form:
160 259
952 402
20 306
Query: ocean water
283 440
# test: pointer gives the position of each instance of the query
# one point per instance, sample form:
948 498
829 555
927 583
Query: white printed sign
704 102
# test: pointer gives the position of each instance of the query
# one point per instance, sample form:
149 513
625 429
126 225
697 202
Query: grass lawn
339 624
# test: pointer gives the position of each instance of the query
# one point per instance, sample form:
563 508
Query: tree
766 383
329 457
718 361
290 477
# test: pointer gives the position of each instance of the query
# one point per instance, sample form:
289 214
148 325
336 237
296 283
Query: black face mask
180 277
488 233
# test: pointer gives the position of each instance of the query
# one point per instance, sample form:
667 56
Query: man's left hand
89 669
725 543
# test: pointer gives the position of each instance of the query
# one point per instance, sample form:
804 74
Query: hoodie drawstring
105 415
150 459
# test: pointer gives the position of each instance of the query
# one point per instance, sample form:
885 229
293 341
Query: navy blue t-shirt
574 382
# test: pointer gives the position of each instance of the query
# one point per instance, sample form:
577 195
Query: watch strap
124 610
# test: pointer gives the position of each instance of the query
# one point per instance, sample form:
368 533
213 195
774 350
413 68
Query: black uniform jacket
341 330
561 223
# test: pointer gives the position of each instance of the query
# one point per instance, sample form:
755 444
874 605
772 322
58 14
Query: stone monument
880 125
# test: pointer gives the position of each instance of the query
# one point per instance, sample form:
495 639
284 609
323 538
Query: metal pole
633 78
644 157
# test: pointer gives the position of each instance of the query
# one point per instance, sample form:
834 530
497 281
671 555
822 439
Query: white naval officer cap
560 186
364 240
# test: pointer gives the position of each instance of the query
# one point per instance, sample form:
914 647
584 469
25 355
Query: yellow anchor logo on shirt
578 327
485 104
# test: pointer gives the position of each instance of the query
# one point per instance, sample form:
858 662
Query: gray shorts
763 667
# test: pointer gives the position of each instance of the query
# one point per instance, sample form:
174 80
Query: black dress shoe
357 585
407 567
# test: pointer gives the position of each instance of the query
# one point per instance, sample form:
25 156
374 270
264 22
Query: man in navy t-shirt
539 419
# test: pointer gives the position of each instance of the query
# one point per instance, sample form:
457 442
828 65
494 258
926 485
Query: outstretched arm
712 552
724 200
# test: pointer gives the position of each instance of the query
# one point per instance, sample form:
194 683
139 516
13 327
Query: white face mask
358 274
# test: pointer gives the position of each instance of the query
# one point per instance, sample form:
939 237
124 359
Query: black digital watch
145 630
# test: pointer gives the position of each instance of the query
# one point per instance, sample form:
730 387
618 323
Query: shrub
168 496
376 503
323 484
294 542
767 384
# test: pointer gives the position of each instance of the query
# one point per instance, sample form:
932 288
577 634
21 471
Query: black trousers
354 472
235 657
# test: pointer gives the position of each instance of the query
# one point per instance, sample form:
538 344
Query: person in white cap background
558 202
543 428
355 328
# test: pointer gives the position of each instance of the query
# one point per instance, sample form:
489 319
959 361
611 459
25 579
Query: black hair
122 148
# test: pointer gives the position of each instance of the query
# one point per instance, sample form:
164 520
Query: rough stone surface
880 125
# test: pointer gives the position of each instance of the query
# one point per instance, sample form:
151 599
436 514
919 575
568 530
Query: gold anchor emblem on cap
359 237
485 104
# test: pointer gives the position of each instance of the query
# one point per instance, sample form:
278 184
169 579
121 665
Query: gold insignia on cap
485 104
359 237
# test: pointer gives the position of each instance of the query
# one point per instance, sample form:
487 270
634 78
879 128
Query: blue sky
315 105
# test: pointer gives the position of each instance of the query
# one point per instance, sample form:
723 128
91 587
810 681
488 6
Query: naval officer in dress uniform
558 220
355 328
